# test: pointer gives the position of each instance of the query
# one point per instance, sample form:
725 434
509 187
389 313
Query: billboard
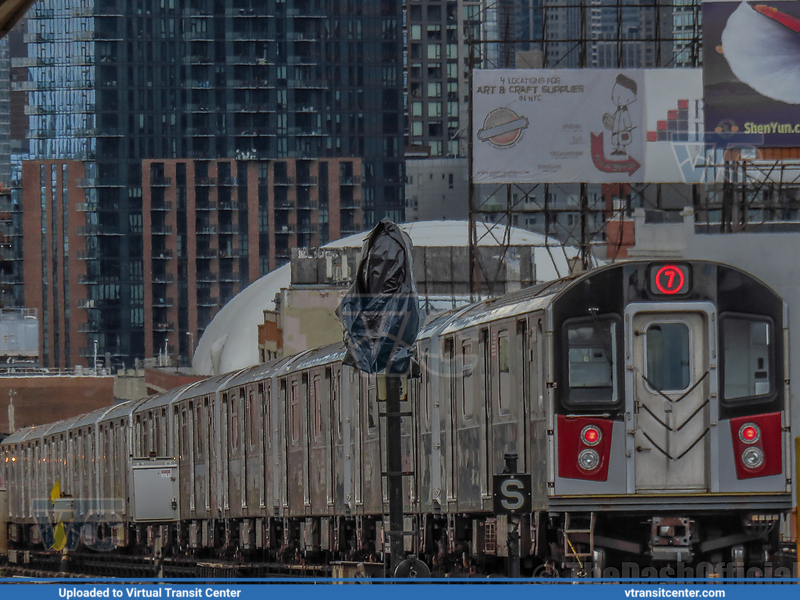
751 71
589 125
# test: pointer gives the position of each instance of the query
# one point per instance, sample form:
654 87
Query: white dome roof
230 341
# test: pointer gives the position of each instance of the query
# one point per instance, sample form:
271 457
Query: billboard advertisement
751 72
589 125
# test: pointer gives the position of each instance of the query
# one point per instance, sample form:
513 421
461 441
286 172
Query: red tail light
749 433
757 445
591 435
584 446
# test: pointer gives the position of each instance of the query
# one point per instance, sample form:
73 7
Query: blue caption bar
467 589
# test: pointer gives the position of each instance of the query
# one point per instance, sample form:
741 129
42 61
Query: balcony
210 230
161 230
229 206
351 180
205 181
209 301
100 182
96 229
91 326
162 255
166 326
160 181
226 181
229 276
207 253
164 302
312 180
206 277
163 278
283 180
88 303
166 205
229 254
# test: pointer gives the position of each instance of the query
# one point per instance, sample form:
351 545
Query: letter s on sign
509 493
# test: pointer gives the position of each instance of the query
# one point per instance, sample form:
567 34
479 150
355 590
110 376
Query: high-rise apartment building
121 93
438 73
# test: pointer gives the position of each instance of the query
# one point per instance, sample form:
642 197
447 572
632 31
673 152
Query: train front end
670 428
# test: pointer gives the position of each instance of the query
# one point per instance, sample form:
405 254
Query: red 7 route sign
669 280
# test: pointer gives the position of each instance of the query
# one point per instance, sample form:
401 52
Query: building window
416 109
416 32
434 90
416 128
435 109
434 51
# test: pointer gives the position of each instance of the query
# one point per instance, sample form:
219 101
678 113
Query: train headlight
753 457
591 435
588 460
749 433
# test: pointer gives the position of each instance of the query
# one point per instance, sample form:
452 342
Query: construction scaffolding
749 189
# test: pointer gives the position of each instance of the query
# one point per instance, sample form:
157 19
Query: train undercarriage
541 544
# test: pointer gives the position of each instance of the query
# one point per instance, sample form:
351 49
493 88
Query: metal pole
473 236
394 469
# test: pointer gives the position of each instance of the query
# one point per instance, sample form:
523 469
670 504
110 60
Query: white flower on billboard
762 47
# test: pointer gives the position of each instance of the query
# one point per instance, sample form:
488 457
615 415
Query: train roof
91 418
256 373
211 385
123 409
164 398
529 299
19 436
63 426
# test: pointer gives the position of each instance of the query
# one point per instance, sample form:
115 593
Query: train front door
669 400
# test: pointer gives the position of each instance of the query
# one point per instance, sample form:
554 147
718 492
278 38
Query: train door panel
422 411
337 441
212 452
447 415
469 451
371 455
226 438
295 443
537 433
253 493
506 405
318 464
236 463
670 401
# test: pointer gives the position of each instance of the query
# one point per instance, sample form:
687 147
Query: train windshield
747 352
591 348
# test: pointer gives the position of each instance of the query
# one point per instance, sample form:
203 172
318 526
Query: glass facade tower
113 83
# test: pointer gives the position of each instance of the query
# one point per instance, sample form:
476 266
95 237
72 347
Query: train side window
747 350
591 356
467 382
317 404
295 413
372 400
504 371
668 346
234 408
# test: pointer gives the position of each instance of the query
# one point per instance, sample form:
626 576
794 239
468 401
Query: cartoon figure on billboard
621 125
623 94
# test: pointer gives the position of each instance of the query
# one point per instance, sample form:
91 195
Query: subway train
647 401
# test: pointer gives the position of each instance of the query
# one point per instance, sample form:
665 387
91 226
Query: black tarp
380 312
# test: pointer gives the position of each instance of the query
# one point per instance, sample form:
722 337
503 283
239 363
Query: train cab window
667 348
747 369
592 357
